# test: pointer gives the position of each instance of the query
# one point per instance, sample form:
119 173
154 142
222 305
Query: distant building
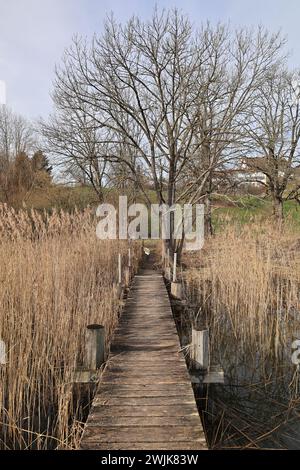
253 171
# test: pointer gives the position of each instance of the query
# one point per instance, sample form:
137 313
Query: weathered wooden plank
144 347
110 378
153 371
178 387
142 433
166 366
129 421
152 390
141 356
144 401
199 445
144 344
144 411
148 339
121 393
119 389
152 362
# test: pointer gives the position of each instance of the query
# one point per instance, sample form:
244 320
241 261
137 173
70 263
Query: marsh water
258 406
253 411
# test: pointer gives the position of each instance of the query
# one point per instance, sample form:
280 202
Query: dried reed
55 278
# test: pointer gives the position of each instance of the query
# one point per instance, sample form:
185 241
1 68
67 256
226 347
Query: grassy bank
246 209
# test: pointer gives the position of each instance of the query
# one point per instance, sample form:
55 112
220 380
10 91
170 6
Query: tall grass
55 278
246 286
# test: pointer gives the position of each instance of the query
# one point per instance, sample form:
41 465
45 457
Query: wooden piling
129 258
174 267
176 290
168 258
168 273
127 276
200 348
3 360
120 269
94 347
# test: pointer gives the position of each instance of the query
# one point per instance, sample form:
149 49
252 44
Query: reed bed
245 286
56 277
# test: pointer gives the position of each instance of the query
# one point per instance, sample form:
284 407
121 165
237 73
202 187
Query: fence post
120 269
127 276
94 347
176 287
129 258
3 360
167 269
174 267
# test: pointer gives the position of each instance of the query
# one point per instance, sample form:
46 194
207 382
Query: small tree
75 143
23 172
16 140
41 170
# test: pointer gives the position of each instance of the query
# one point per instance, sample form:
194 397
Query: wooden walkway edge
145 399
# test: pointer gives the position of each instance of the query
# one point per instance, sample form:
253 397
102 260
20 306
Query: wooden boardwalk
145 399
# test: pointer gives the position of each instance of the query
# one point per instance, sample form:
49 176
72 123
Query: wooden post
94 347
129 258
127 276
176 287
176 290
174 267
200 348
3 360
119 291
168 273
167 270
120 269
130 267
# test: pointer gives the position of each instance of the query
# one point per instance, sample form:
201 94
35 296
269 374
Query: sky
35 33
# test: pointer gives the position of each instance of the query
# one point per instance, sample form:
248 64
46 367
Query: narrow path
145 399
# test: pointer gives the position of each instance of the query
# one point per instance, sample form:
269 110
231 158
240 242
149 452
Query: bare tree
273 133
16 134
16 138
75 143
237 66
158 87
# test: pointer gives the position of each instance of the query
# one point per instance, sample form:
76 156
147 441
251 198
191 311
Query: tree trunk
208 227
278 208
170 202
